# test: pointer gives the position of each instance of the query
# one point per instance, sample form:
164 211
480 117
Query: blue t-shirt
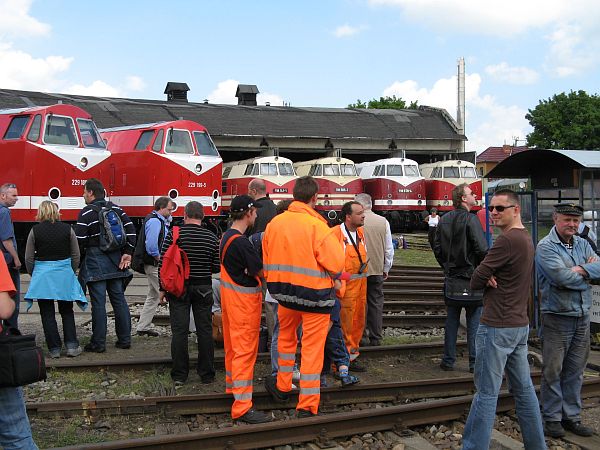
7 231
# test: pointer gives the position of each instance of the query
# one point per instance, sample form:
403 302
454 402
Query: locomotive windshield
268 169
286 169
17 127
330 170
411 171
394 170
89 134
205 144
178 141
469 172
348 170
60 130
451 172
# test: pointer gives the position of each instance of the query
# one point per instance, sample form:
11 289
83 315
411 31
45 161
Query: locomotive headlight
446 202
389 202
419 202
419 195
389 196
326 202
215 194
198 168
83 162
215 206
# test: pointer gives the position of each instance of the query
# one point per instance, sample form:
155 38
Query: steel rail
320 428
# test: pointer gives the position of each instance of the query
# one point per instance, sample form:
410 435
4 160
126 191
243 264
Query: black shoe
349 380
375 343
254 416
122 345
94 348
554 429
207 380
271 387
304 413
446 368
151 333
577 428
471 369
355 366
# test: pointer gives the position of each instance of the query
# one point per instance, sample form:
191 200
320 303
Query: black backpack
112 232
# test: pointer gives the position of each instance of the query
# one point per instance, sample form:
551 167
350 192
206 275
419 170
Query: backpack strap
227 244
175 235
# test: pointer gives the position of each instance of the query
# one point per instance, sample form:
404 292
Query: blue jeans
15 432
335 348
499 350
116 294
565 348
451 333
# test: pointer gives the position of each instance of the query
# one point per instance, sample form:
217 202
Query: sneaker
73 352
577 428
119 344
254 416
94 348
151 333
304 413
178 383
323 381
296 375
271 387
54 353
349 380
446 368
355 366
554 429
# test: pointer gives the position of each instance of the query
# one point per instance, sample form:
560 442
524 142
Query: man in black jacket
257 189
459 247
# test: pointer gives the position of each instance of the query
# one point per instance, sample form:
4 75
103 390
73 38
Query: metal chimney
460 109
177 92
246 94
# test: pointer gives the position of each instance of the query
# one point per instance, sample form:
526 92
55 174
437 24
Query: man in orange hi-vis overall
353 294
241 304
303 261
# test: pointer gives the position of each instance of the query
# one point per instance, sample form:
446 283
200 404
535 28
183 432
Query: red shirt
6 283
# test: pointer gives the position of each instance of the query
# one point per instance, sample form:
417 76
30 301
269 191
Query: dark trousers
199 298
51 333
375 301
16 278
116 295
335 348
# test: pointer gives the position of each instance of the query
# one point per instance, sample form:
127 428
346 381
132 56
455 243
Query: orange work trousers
314 334
241 326
352 313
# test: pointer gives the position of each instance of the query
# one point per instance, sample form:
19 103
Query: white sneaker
73 352
296 376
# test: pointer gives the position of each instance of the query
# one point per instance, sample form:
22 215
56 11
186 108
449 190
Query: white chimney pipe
460 110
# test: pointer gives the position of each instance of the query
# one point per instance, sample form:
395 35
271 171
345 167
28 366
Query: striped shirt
201 247
87 228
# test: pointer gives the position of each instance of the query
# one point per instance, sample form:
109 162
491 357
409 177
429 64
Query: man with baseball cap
241 304
565 265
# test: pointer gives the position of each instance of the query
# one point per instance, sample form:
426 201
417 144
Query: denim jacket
563 291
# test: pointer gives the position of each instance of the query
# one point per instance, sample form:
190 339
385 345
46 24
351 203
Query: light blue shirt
152 230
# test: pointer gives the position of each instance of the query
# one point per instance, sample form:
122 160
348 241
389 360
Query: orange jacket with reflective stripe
352 264
302 256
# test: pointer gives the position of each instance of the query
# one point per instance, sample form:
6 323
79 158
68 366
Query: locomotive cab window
178 141
17 127
157 146
35 131
255 169
226 172
379 171
60 130
89 134
144 140
436 173
286 169
411 170
330 170
268 169
248 169
315 170
451 172
205 145
468 172
348 170
394 170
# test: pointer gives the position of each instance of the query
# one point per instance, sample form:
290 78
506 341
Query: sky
321 53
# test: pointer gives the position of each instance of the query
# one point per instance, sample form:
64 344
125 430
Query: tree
566 121
388 102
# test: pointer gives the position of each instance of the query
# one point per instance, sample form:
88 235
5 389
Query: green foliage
388 102
566 121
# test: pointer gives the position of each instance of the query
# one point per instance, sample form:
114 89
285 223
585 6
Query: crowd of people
321 287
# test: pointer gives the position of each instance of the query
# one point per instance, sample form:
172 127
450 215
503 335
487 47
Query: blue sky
312 53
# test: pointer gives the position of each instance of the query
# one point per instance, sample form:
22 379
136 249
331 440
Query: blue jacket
563 291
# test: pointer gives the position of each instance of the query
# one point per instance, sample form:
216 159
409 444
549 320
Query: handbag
457 290
21 360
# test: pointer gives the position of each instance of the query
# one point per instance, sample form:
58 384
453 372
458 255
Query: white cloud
225 94
488 123
347 30
513 75
135 83
97 88
15 20
572 50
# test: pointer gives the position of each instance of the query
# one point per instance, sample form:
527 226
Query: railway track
434 348
320 428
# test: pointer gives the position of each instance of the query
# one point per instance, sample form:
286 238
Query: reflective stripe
301 301
229 385
287 356
294 269
242 289
310 391
245 396
228 374
286 369
358 275
310 376
242 383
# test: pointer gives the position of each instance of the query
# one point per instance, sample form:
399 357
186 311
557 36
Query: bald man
257 189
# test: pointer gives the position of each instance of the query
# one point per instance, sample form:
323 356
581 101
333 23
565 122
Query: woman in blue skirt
51 257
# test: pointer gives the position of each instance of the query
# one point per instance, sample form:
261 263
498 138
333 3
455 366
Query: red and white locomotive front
177 159
441 177
49 152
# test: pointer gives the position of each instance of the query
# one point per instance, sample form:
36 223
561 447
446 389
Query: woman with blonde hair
51 257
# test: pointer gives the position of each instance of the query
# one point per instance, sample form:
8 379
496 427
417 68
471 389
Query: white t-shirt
433 221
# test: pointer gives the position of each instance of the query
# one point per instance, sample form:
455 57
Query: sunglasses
499 208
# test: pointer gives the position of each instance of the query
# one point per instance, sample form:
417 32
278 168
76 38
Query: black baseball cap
568 209
243 203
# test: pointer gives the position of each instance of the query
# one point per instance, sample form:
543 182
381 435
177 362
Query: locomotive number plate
280 191
341 189
405 191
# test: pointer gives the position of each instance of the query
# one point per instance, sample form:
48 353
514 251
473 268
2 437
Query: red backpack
175 268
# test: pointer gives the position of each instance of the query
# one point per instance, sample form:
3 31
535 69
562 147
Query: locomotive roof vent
246 94
177 92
